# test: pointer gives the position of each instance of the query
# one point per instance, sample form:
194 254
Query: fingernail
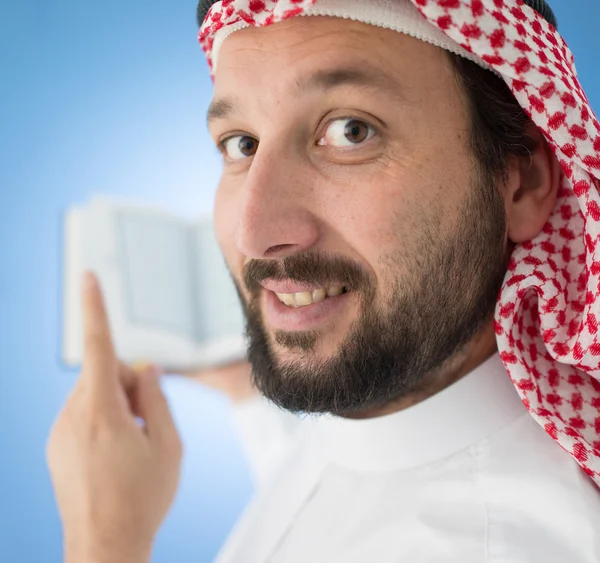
141 367
147 369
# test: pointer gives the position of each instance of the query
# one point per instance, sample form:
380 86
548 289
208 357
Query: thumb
153 407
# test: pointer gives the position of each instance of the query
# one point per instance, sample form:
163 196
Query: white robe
466 476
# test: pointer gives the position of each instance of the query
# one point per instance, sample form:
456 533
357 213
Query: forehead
305 44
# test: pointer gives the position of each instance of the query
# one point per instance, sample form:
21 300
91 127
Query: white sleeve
267 434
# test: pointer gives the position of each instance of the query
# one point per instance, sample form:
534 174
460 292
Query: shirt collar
476 406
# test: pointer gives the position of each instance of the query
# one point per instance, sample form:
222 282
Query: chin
314 345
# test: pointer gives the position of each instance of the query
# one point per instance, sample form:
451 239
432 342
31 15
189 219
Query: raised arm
114 478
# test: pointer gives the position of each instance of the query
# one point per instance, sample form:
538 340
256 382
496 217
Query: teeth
334 291
318 295
305 298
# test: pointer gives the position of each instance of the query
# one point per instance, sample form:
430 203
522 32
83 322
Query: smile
305 310
306 298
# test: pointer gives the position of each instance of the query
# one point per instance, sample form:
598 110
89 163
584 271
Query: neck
481 347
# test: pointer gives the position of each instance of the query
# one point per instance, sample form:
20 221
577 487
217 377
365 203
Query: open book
169 296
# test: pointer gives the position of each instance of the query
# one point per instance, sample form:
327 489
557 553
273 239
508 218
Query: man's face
349 189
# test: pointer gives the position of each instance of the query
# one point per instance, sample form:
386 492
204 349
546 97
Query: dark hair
202 10
500 128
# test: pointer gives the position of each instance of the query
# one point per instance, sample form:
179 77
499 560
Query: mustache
311 267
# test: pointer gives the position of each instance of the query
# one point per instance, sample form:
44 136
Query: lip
294 287
312 317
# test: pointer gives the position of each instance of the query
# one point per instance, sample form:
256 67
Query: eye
239 147
347 132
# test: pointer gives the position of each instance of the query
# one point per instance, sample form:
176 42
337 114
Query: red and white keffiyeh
548 313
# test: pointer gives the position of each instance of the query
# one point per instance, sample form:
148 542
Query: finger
154 409
128 376
130 379
100 372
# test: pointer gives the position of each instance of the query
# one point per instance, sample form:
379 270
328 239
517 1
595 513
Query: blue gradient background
110 97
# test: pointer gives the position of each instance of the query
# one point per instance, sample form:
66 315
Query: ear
531 190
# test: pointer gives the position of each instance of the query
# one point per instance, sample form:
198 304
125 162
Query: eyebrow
325 80
220 109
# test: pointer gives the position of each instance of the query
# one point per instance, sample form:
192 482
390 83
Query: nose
275 218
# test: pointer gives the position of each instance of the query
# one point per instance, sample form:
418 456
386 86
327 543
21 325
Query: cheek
389 223
371 225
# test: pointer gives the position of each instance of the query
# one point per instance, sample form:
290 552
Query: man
382 184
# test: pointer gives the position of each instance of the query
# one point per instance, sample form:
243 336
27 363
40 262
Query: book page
163 306
143 258
72 268
156 259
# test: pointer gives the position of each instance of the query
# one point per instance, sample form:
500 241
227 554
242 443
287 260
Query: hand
114 479
232 379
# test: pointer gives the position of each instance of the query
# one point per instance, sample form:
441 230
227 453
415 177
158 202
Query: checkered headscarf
549 307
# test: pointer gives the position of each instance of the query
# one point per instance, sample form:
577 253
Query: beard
440 297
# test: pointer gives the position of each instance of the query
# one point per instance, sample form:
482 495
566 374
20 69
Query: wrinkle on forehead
296 33
318 38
